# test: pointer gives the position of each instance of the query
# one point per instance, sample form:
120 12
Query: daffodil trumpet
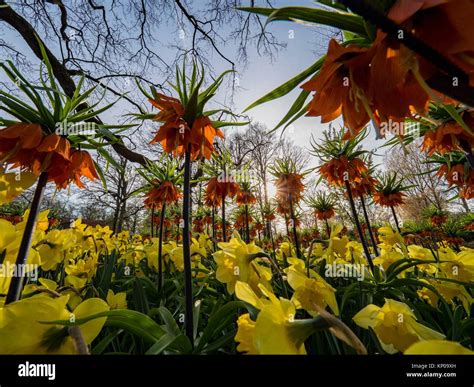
16 284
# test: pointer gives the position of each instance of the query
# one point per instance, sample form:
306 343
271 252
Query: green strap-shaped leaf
136 323
341 20
284 89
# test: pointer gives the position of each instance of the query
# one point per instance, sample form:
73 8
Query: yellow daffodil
461 266
21 330
418 252
275 331
236 263
53 248
395 325
387 257
117 301
197 252
10 239
337 246
310 291
449 291
437 347
390 237
42 224
13 184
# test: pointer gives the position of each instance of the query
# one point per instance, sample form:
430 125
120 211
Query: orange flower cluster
241 221
198 225
454 40
165 193
259 226
290 184
456 176
323 215
283 207
449 136
438 219
216 190
389 200
337 171
28 147
175 135
365 186
382 82
269 217
245 197
13 219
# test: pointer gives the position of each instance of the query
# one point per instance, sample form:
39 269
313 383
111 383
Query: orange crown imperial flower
389 200
216 190
337 171
244 197
290 184
326 214
339 86
26 146
176 135
165 193
449 137
456 176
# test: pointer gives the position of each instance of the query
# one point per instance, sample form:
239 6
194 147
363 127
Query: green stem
16 284
295 234
160 248
367 221
395 218
188 280
359 228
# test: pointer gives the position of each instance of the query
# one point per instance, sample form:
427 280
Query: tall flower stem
286 225
188 280
328 229
367 222
16 284
295 234
152 219
247 227
224 231
359 228
214 227
160 248
395 218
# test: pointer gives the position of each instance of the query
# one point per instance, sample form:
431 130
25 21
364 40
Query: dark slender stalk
188 280
16 284
395 218
367 221
359 228
328 230
295 234
152 219
214 227
286 225
247 227
160 248
224 231
271 238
